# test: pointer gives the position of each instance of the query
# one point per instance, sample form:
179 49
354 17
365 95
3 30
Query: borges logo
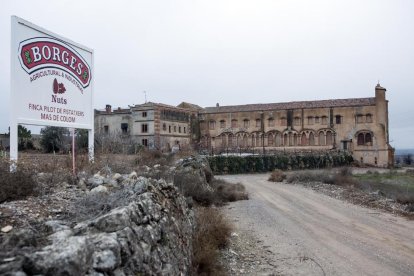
43 52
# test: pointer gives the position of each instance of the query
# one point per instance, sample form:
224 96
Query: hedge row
286 161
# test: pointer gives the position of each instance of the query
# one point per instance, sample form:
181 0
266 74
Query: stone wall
149 235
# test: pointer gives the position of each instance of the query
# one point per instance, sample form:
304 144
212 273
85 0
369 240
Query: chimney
108 108
380 93
217 105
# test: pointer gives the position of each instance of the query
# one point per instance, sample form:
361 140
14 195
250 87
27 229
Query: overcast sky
234 51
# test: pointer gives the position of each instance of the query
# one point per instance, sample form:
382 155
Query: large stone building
153 125
357 125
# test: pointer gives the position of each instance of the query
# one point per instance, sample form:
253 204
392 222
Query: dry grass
228 192
212 234
277 176
218 192
17 185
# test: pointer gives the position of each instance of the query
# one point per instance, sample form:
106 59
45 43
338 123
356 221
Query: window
164 127
329 138
368 118
271 122
258 122
283 121
169 129
179 129
246 123
310 120
360 119
144 114
222 124
145 142
297 121
364 139
212 125
106 129
338 119
175 128
144 128
124 128
324 120
361 139
184 130
234 123
316 120
270 140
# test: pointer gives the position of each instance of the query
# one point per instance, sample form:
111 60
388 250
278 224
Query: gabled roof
291 105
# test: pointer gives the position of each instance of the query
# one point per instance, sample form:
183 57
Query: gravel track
303 232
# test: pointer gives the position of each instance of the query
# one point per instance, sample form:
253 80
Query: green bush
294 161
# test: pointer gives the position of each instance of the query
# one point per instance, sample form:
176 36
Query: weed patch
212 233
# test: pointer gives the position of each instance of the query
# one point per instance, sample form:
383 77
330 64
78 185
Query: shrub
17 185
308 176
277 176
228 192
283 161
212 233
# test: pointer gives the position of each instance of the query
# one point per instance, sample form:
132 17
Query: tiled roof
291 105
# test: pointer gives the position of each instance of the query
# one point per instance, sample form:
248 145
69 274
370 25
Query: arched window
245 141
246 123
321 139
368 139
222 124
361 139
234 123
364 139
223 141
329 138
278 140
258 141
285 140
164 127
295 139
212 125
303 140
230 143
311 139
270 140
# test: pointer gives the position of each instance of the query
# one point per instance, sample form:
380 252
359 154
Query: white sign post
51 82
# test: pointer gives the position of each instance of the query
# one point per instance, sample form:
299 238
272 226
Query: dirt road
303 232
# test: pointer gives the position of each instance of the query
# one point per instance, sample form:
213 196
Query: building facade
152 125
357 125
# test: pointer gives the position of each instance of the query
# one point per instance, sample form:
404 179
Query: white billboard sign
51 81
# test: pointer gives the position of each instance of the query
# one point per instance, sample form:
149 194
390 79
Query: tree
24 138
54 139
81 139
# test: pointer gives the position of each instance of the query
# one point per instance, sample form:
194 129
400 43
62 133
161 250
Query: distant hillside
404 151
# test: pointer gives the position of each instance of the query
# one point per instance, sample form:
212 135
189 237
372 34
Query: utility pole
145 95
